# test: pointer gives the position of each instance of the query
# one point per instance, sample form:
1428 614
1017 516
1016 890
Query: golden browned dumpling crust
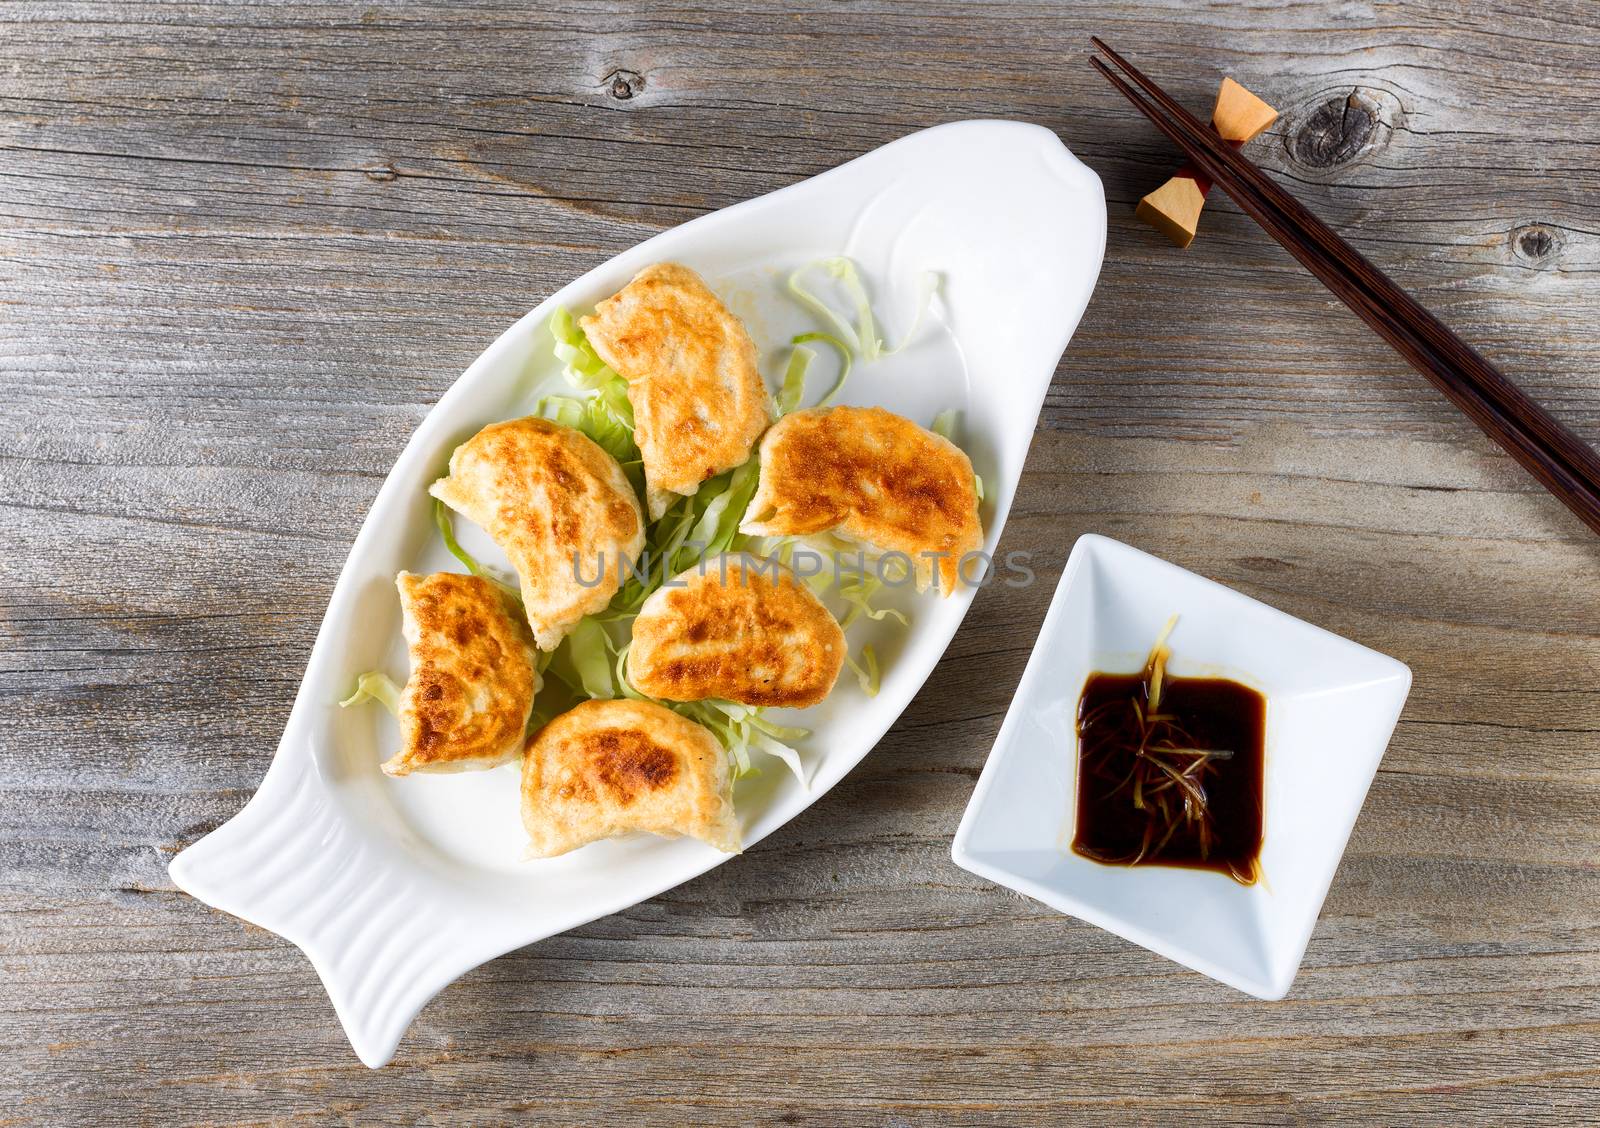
560 508
699 403
473 679
740 630
609 767
874 476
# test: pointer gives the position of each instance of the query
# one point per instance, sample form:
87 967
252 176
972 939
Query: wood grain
243 247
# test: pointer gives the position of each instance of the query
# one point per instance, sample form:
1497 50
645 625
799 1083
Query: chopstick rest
1174 208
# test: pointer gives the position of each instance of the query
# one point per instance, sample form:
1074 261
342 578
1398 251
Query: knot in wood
624 84
1534 243
381 172
1335 132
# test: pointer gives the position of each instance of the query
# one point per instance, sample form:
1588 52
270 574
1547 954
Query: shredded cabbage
589 647
607 415
620 669
753 730
741 728
582 366
927 289
794 378
719 521
442 517
793 388
693 528
866 671
858 592
862 337
844 361
782 751
375 686
447 530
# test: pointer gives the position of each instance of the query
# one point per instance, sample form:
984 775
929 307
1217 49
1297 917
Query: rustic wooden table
244 247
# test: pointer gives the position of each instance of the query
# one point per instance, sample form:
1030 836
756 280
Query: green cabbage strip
784 752
719 522
620 669
751 730
442 517
844 361
866 671
447 530
692 529
569 411
375 686
589 647
741 728
794 379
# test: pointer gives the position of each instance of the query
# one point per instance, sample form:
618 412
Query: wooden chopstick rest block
1174 208
1239 115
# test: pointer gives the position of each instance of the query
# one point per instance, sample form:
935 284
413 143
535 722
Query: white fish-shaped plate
395 887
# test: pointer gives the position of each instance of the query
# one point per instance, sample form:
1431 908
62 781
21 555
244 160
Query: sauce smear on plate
1170 771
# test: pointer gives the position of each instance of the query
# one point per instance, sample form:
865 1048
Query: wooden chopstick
1562 462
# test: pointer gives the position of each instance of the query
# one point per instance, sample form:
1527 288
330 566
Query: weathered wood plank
243 247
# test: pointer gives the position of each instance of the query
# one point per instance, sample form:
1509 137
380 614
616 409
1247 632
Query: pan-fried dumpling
737 629
560 508
699 402
473 679
609 767
873 476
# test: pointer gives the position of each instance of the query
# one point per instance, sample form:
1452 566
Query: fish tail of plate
293 862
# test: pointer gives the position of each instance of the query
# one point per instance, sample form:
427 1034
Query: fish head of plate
1331 707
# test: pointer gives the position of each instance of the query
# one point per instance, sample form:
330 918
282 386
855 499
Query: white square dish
1331 707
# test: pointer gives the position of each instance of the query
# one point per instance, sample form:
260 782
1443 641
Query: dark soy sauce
1177 785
